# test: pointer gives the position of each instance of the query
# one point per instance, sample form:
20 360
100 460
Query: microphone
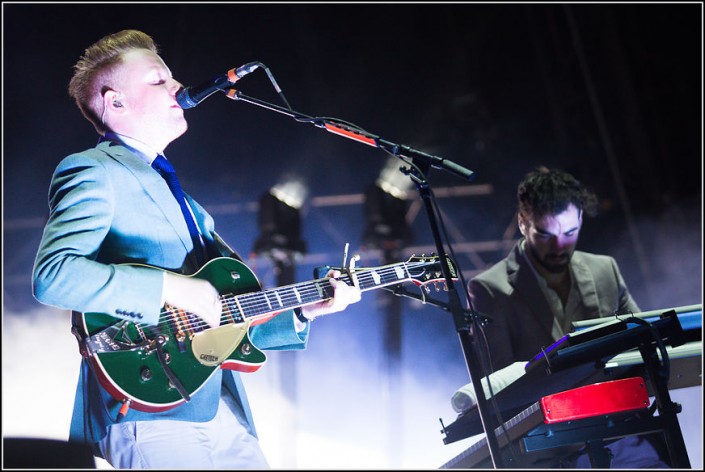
189 97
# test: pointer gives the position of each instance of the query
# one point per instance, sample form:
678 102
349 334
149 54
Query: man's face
551 239
149 93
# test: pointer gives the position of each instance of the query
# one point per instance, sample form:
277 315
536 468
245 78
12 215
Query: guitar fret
226 310
246 304
232 308
320 290
376 278
286 297
238 307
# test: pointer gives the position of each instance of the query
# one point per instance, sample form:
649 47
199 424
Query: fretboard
287 297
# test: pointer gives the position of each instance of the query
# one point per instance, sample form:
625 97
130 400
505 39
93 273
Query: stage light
279 221
385 210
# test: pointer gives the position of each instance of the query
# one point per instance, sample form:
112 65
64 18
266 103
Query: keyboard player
543 285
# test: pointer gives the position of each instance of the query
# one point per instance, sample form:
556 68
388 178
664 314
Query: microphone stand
465 326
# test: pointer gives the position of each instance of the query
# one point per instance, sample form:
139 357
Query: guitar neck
257 304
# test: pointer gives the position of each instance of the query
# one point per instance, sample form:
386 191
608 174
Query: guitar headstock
427 269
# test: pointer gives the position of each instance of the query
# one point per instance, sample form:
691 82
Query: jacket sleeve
625 303
497 332
66 273
280 334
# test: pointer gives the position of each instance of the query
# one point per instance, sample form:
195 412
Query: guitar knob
146 374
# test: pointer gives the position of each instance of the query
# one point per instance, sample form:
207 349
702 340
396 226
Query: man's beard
552 263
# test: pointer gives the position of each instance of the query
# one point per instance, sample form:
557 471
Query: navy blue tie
166 170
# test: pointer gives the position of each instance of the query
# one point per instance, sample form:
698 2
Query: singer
122 242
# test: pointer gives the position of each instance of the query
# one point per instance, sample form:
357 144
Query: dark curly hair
550 191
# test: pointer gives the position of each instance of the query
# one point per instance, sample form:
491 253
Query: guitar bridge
108 340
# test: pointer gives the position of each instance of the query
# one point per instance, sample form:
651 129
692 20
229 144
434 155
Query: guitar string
256 303
287 295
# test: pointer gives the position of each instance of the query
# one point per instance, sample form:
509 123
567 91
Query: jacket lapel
524 282
156 188
585 283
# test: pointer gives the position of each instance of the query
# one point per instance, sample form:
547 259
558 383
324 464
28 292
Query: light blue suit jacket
109 208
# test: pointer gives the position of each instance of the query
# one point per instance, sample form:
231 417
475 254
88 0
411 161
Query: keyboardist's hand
464 398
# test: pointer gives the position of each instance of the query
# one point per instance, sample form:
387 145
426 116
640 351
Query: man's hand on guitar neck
193 295
198 296
343 295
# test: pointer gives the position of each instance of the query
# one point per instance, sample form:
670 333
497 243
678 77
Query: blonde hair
94 73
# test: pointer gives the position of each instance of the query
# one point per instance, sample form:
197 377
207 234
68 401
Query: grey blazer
521 322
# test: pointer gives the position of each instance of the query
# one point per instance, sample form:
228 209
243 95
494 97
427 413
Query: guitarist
114 222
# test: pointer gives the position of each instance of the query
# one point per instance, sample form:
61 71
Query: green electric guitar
155 368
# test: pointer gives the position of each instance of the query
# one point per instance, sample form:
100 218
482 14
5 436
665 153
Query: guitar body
155 368
128 364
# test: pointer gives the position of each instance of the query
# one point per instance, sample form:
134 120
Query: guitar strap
232 253
80 334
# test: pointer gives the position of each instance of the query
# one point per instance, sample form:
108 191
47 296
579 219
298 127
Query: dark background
609 92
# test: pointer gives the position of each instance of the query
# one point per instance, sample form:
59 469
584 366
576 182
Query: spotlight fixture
385 216
279 223
385 210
